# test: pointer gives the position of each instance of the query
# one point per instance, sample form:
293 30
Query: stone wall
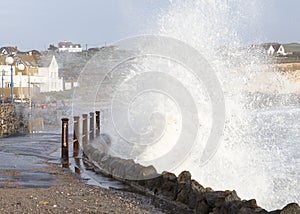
181 190
12 120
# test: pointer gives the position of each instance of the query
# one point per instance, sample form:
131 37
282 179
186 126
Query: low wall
12 120
182 190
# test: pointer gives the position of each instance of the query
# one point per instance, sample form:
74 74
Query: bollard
75 136
92 128
97 123
64 141
84 129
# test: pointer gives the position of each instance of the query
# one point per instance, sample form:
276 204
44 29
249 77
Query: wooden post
77 166
75 136
84 129
64 141
97 123
92 128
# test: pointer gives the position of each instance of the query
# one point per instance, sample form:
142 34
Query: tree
52 48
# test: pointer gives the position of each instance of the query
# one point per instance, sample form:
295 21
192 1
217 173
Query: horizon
98 24
108 45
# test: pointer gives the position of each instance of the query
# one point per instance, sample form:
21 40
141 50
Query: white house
281 51
271 50
20 78
49 73
69 47
6 76
276 49
39 74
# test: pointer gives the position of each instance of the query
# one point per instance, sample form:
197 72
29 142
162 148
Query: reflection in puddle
24 159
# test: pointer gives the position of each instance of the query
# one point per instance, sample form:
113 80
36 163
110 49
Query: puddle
76 165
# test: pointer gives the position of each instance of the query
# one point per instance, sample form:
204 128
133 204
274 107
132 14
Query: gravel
70 194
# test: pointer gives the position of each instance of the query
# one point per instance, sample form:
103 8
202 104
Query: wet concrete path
24 161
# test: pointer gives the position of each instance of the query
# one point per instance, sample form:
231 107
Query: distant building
8 50
48 70
40 74
281 51
291 49
21 79
69 47
276 49
271 49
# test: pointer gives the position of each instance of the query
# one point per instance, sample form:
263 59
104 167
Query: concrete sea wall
181 190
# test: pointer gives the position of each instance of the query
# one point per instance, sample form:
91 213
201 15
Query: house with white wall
281 51
271 50
276 49
69 47
40 75
49 71
6 75
20 78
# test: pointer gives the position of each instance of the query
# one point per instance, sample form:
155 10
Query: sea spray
150 93
246 157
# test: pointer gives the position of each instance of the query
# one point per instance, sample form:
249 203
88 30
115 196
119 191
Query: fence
88 133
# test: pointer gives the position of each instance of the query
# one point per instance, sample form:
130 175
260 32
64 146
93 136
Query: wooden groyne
90 130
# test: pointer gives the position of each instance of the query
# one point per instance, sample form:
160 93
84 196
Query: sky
35 24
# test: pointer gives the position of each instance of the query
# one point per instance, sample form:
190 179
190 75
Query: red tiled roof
9 49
